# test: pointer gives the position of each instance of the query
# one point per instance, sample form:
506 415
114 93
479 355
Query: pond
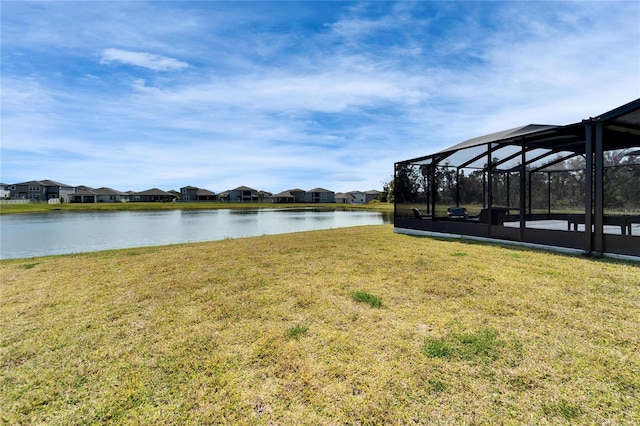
44 234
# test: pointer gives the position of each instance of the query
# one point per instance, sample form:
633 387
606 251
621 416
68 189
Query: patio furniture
624 222
457 213
575 220
498 215
417 214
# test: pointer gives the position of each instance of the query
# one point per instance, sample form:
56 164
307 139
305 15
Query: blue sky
279 95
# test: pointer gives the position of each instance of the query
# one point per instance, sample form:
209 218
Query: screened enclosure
575 186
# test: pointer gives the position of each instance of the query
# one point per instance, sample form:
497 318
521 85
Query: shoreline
151 206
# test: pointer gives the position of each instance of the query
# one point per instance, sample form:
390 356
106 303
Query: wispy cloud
142 59
222 94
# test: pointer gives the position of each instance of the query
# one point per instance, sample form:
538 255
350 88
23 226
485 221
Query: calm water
43 234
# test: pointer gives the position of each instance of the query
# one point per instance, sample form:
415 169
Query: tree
387 191
407 185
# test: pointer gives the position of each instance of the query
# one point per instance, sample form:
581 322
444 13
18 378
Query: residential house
86 194
283 197
192 193
152 195
298 195
264 196
344 198
189 193
372 195
41 190
320 195
359 197
110 195
242 194
4 191
206 195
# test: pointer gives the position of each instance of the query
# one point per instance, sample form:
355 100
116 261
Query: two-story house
4 191
242 194
192 193
320 195
41 190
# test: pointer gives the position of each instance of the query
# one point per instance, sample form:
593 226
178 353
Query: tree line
560 187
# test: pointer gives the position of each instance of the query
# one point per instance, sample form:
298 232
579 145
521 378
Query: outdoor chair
457 213
498 216
417 214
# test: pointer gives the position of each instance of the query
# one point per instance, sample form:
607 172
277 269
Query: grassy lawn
345 326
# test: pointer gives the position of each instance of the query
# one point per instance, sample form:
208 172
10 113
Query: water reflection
41 234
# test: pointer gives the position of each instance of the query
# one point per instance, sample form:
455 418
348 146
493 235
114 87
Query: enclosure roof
621 126
499 136
627 114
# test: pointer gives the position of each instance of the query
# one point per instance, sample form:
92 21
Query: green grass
369 299
562 409
265 330
297 331
482 345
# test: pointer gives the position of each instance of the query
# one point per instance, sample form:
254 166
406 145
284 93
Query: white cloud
142 59
273 103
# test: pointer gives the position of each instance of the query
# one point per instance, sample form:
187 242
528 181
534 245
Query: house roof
319 190
153 191
341 195
84 191
284 194
44 182
109 191
87 190
244 188
205 192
